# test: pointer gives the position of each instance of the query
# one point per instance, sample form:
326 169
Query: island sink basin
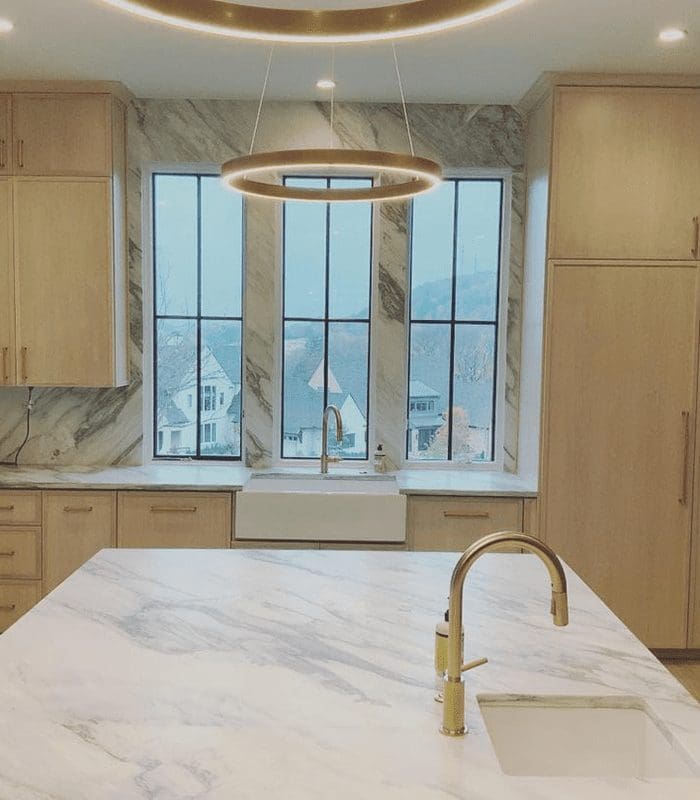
582 738
321 508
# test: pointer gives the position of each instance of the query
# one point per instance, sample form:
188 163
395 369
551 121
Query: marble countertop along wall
301 675
210 477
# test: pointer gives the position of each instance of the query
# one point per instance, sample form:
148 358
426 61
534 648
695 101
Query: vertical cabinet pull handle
5 371
696 248
25 378
3 154
20 153
683 499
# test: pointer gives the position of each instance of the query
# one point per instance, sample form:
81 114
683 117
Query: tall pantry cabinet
63 286
621 348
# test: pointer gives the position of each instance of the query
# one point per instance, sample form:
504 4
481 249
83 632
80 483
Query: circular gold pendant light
419 174
329 26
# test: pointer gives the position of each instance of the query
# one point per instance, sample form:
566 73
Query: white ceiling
495 60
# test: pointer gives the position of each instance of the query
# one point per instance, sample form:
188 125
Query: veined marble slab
215 477
303 676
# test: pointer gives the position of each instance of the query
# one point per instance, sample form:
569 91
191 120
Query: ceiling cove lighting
6 25
671 35
323 26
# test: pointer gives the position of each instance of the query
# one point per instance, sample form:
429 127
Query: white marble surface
300 675
215 477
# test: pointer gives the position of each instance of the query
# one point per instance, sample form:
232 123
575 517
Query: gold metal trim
421 173
337 26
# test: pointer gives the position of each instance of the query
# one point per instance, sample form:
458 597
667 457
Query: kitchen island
303 676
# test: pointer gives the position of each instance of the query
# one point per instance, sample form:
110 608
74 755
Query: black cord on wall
15 461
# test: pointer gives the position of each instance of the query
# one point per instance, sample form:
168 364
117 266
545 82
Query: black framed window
198 312
327 266
456 247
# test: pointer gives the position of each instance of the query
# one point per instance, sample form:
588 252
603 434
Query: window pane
175 221
176 387
432 248
305 254
348 352
429 388
474 374
304 352
222 249
350 244
221 388
478 249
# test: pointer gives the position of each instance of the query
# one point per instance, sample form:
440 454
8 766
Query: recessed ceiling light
325 83
5 25
672 35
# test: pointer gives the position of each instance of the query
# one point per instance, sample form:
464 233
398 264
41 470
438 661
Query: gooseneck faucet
453 723
325 458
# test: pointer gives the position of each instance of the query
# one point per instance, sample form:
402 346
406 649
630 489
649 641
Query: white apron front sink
321 508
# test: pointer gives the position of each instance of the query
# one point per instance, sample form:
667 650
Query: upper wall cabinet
62 134
626 174
5 134
63 289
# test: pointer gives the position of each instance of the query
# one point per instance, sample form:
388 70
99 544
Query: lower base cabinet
16 599
453 523
175 519
77 525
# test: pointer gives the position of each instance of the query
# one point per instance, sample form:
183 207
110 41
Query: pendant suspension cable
332 118
262 98
403 99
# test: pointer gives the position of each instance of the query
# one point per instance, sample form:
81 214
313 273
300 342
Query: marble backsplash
92 427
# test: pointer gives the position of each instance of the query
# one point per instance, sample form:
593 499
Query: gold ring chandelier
329 26
420 174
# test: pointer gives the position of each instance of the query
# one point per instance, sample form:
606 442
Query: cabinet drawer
174 519
20 508
76 526
453 523
16 599
20 553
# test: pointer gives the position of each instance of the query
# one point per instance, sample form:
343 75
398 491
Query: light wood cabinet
7 289
620 382
20 508
454 523
175 519
626 173
62 134
16 599
20 553
77 525
65 283
5 134
63 255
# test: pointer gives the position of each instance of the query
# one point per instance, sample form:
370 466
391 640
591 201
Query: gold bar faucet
325 458
453 722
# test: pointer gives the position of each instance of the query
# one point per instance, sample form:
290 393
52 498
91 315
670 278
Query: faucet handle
479 662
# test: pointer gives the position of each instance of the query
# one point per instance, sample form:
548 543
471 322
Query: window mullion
198 390
453 315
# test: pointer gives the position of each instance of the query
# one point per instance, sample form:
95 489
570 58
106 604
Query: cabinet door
455 523
175 519
64 280
5 134
62 134
626 173
7 288
76 526
620 372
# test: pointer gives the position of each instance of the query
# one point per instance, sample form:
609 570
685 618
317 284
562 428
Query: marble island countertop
183 675
231 477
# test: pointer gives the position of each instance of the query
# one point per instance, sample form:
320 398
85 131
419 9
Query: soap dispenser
380 459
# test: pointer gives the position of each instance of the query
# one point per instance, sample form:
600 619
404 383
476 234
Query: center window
327 255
